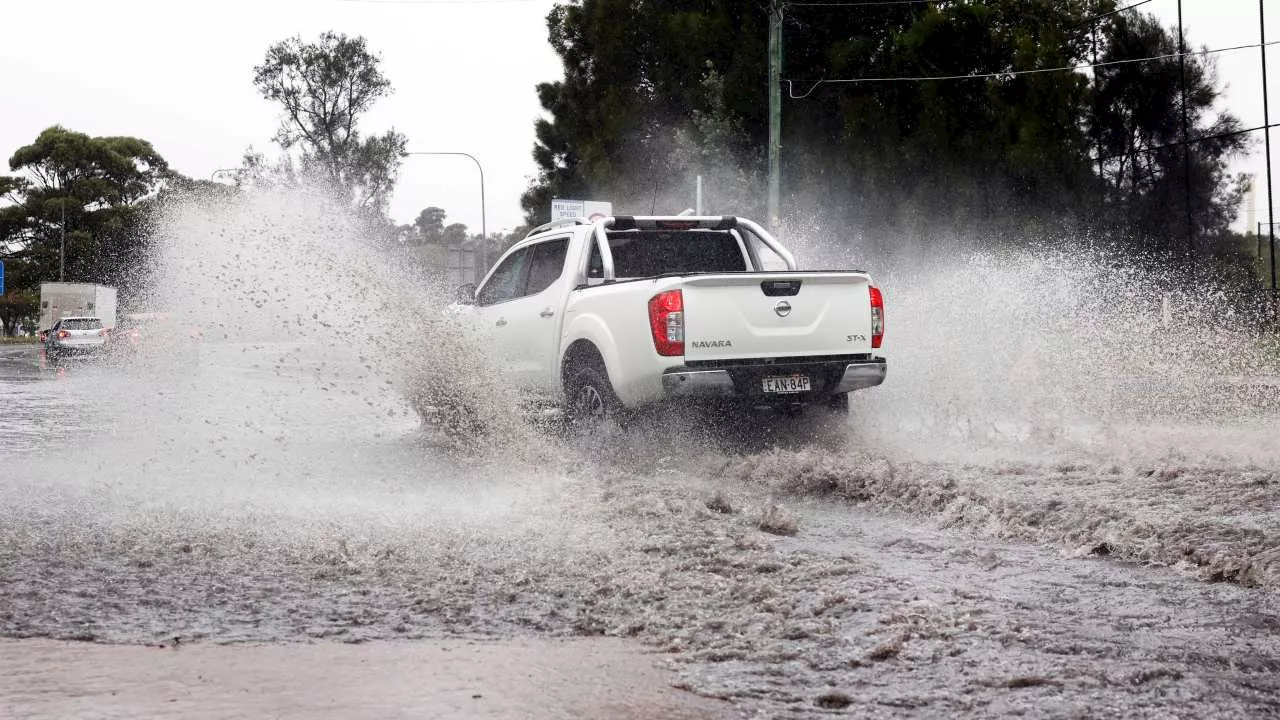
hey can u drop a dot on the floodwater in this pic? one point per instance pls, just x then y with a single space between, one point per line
569 678
269 521
266 516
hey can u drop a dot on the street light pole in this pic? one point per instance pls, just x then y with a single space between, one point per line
484 230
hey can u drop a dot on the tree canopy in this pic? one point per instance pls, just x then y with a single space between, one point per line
94 189
323 89
658 91
1137 121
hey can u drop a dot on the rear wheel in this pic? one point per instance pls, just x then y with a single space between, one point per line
591 397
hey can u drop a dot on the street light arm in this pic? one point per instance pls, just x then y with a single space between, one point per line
484 229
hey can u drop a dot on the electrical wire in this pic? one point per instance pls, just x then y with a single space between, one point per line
1188 141
1008 73
1109 13
872 3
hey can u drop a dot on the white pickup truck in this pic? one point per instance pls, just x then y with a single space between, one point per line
601 317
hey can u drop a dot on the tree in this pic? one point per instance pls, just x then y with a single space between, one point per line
1137 123
323 89
624 117
647 86
454 234
15 308
653 92
94 189
430 225
987 151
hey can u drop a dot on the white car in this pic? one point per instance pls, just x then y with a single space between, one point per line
75 335
628 311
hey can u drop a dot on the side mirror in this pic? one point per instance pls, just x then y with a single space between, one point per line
466 294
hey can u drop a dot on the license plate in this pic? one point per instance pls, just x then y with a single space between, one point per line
787 384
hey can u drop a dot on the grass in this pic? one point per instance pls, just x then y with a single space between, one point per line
5 340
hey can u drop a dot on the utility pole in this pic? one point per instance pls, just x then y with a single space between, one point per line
775 110
1098 138
1266 122
1186 149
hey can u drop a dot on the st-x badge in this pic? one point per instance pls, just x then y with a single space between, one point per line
782 308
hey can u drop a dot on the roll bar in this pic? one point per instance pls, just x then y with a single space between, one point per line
683 222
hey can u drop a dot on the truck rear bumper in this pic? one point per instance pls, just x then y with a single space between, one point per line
744 380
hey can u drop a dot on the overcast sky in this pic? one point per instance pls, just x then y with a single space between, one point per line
179 73
1228 23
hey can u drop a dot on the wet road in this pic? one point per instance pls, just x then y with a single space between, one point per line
284 493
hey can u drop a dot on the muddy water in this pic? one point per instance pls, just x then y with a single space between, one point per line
262 497
575 678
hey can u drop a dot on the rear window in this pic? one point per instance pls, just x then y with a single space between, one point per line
648 253
82 324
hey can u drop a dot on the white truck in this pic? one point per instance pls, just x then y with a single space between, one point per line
64 299
601 317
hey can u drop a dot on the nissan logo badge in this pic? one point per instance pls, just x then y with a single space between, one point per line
782 308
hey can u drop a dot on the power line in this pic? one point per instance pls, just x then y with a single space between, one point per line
1109 13
873 3
1188 141
1007 73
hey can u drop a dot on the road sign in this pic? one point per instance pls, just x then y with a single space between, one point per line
562 209
1 277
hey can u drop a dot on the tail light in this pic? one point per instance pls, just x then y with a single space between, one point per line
63 334
104 332
877 317
666 320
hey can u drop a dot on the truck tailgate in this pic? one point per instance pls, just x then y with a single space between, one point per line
776 314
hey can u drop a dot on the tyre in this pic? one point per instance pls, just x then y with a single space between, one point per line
590 396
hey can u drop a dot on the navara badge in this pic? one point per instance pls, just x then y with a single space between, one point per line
782 308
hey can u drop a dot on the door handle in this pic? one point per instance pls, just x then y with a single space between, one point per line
501 322
547 312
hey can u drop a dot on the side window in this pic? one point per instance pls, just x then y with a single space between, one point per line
508 280
548 264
